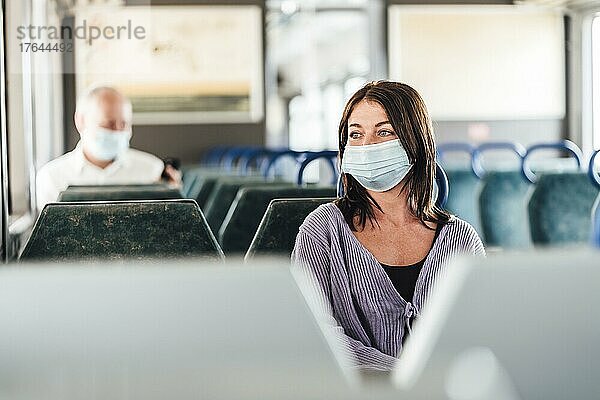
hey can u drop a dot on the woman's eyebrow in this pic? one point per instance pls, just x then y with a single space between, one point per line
376 125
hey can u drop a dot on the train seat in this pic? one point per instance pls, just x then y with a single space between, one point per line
137 230
463 181
503 209
277 231
204 188
462 195
118 192
222 196
190 187
560 208
248 208
204 182
595 179
596 222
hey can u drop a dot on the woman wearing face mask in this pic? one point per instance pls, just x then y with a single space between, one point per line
377 251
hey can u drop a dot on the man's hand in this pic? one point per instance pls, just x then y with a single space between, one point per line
172 176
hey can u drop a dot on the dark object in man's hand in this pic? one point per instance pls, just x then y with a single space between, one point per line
173 162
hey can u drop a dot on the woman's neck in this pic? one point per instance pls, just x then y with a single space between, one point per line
393 203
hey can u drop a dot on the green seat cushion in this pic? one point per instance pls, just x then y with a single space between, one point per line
118 192
276 234
204 180
139 230
248 208
223 194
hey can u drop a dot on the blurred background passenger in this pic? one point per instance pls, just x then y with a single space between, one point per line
377 251
102 156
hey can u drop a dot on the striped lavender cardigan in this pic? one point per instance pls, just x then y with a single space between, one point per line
360 296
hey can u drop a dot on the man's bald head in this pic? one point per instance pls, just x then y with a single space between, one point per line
104 107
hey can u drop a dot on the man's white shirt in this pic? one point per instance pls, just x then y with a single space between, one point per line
72 168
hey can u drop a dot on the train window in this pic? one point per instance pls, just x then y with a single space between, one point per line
317 51
3 215
19 103
596 80
499 64
175 69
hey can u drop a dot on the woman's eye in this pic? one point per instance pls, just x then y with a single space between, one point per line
354 135
385 133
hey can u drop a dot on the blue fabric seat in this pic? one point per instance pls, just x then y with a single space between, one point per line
463 195
463 182
595 179
596 222
503 209
503 195
121 230
560 208
278 229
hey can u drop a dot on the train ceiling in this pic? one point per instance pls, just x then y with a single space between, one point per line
67 6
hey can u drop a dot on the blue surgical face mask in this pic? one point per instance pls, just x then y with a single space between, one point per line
106 144
378 167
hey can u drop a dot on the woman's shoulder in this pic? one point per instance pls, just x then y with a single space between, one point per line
460 226
463 235
325 215
321 224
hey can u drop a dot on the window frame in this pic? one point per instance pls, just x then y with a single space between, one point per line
3 141
594 66
588 141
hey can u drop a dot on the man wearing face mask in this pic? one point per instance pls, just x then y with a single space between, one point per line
102 156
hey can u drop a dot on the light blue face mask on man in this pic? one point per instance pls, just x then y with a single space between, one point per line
105 144
378 167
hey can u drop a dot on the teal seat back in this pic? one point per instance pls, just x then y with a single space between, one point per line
204 189
119 192
595 178
138 230
278 229
560 208
204 180
248 208
463 192
222 196
190 187
596 222
503 209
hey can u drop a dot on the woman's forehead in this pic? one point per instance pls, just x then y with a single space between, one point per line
367 112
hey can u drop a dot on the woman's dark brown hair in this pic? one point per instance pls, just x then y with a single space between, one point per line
408 115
